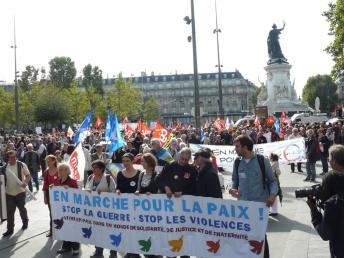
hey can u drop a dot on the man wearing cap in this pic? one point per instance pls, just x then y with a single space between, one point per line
207 181
99 154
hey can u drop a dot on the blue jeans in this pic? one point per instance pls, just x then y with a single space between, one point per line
34 177
99 250
310 168
324 162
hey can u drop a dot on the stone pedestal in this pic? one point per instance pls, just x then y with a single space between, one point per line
278 93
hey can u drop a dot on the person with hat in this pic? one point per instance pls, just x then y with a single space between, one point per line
207 181
99 154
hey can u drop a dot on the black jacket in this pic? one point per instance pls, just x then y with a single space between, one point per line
178 178
330 225
311 153
207 182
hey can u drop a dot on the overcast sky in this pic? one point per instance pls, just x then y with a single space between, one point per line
131 36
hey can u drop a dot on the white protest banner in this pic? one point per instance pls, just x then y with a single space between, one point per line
288 151
39 130
198 226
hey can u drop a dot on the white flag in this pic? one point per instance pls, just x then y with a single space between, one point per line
70 132
77 163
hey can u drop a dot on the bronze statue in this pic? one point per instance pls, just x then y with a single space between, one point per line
274 48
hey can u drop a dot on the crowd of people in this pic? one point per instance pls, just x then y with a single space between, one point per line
26 155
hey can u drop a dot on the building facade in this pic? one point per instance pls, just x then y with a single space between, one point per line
175 94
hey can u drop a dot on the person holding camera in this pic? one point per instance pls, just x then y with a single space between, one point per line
330 223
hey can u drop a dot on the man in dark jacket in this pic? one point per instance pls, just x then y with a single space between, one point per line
207 180
179 177
312 155
31 159
330 224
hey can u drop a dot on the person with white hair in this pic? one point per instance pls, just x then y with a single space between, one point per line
66 181
312 155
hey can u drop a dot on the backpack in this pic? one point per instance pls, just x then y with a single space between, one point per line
107 179
261 165
19 170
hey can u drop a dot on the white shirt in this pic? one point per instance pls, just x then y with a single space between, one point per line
41 149
12 187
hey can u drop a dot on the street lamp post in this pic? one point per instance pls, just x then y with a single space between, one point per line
194 51
217 30
16 96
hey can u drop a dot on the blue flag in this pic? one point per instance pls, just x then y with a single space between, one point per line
108 127
115 136
82 131
277 125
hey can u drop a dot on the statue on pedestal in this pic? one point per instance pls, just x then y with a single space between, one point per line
274 48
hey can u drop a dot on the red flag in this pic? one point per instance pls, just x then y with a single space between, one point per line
257 122
127 129
142 128
99 122
219 124
161 133
283 118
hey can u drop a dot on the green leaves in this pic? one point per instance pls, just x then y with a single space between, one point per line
62 71
335 17
123 99
321 86
151 110
145 245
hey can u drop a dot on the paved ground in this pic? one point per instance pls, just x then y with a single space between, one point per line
290 234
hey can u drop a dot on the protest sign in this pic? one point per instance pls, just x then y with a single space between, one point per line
288 151
38 130
198 226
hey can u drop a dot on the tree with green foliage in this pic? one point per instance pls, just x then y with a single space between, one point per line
52 106
321 86
7 114
335 17
79 104
93 77
62 71
123 99
151 110
28 77
27 103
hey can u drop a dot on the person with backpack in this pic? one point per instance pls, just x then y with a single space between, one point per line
15 193
312 155
252 178
330 223
100 182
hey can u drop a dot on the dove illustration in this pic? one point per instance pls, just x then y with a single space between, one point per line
176 245
58 223
87 232
146 245
213 246
116 240
256 246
